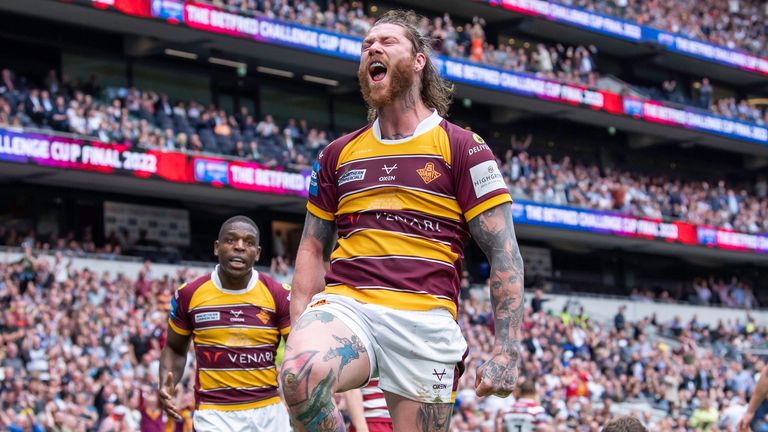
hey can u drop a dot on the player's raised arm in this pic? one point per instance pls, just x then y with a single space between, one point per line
173 359
494 232
314 249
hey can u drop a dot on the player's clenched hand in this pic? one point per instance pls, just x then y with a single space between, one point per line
167 395
498 375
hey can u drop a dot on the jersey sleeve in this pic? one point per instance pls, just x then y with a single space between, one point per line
479 185
322 187
281 293
178 316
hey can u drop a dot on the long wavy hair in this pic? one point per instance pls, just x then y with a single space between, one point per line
436 92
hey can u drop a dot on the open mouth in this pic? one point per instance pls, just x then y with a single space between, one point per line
237 262
377 71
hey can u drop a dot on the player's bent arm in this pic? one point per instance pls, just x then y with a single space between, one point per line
354 401
173 358
309 276
494 232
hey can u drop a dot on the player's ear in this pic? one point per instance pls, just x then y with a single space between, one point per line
258 252
419 61
216 248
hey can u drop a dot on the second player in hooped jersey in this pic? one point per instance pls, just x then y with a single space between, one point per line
236 337
236 318
401 209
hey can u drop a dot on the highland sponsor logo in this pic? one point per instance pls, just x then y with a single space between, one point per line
350 176
486 178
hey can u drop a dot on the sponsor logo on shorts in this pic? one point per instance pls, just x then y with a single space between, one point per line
207 316
486 178
439 376
353 175
318 303
428 173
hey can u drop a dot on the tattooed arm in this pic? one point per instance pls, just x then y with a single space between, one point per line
494 232
314 249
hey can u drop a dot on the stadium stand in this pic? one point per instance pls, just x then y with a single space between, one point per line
147 119
110 323
729 23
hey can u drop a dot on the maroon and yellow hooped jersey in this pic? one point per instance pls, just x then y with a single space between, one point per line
401 208
236 334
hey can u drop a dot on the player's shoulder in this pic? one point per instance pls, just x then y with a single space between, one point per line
461 136
334 149
275 288
188 289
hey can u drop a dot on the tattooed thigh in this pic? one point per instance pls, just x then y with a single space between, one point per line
433 417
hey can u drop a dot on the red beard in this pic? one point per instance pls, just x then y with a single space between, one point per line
401 77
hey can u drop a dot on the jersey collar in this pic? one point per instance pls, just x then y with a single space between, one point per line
425 126
217 282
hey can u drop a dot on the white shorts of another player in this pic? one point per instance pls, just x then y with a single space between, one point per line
270 418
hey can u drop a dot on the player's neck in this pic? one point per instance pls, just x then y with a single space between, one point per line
400 119
234 283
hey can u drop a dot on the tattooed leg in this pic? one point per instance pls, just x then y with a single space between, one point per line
434 417
409 415
349 350
309 379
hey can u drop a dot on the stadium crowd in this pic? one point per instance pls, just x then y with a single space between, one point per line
541 178
713 290
697 377
80 352
718 22
735 24
146 119
152 120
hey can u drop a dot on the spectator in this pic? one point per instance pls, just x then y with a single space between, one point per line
705 94
537 301
619 321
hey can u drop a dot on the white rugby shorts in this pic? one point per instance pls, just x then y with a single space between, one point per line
270 418
415 354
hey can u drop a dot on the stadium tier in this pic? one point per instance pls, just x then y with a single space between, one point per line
632 137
